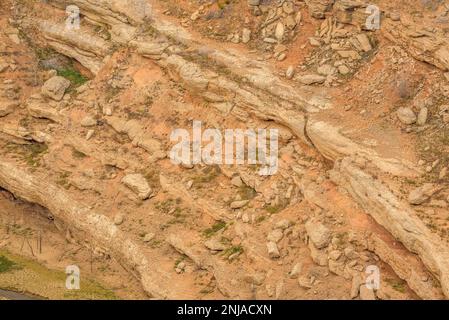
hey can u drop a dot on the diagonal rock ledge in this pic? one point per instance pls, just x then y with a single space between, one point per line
247 97
97 227
399 219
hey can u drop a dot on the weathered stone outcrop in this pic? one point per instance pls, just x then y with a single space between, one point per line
395 216
122 17
419 42
84 47
422 43
219 267
96 227
333 145
406 265
244 87
40 109
177 189
107 158
139 137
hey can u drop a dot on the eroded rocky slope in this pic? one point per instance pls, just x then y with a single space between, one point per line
86 117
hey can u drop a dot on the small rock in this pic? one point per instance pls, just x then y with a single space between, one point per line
234 256
350 253
422 194
335 254
281 57
367 294
246 35
187 165
305 282
318 256
148 237
118 219
14 38
275 236
343 69
311 79
273 251
88 121
195 16
89 134
446 75
290 22
279 289
283 224
364 41
239 204
298 17
288 7
269 40
253 2
314 42
318 233
326 70
406 115
296 270
349 54
107 110
443 173
422 116
237 181
137 183
235 38
181 265
395 16
355 286
290 72
279 32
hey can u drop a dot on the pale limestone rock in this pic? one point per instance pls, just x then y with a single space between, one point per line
55 88
138 184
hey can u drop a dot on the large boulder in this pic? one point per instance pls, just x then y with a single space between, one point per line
55 88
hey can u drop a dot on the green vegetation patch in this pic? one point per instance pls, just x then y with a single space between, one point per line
7 265
214 229
36 279
75 77
398 285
